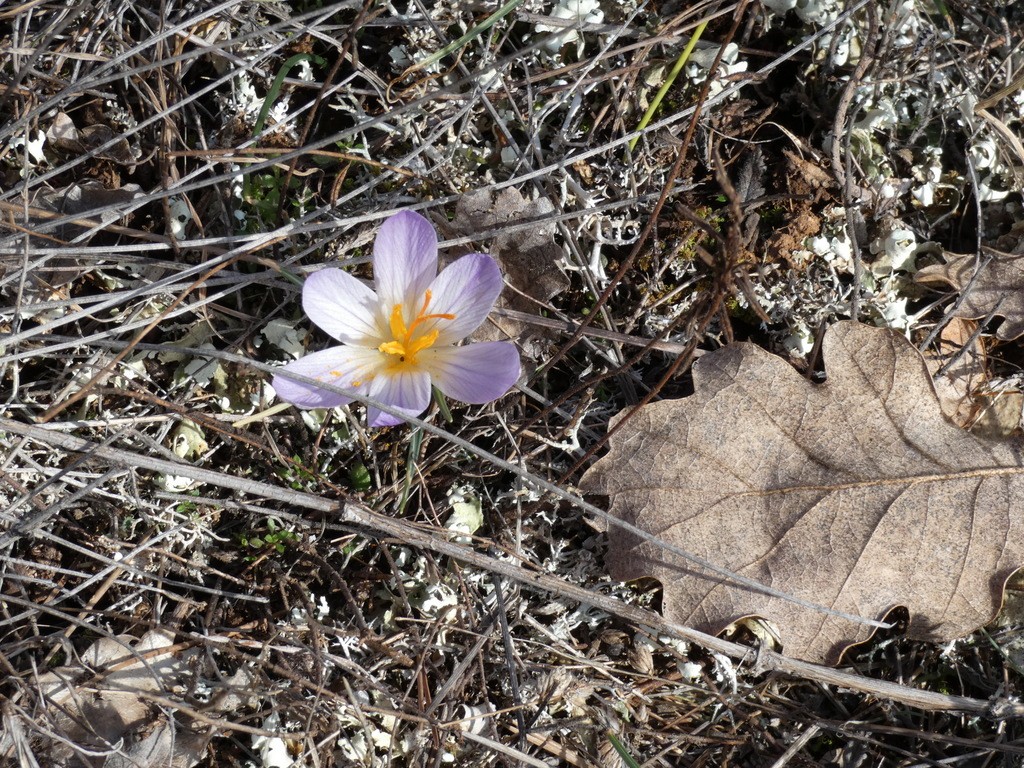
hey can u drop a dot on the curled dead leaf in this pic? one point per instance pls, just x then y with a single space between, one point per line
528 257
998 288
106 698
856 494
90 206
959 369
67 137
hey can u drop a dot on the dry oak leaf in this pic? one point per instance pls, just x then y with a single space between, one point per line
856 494
999 288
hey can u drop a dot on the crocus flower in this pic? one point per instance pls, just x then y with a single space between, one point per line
401 339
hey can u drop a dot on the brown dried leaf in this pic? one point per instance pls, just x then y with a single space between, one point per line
168 746
806 178
528 256
856 494
999 287
963 371
964 388
65 136
999 413
106 698
63 133
89 201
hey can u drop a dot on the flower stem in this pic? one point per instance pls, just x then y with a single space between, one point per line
442 405
415 441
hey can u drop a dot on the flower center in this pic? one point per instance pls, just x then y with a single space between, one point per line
407 344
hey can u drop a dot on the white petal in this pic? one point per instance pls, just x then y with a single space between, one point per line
475 373
466 288
349 368
343 307
404 260
408 392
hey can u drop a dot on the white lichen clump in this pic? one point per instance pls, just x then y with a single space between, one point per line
702 58
809 11
579 12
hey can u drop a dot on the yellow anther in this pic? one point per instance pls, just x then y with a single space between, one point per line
405 344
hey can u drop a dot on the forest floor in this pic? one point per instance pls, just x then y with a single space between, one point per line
194 569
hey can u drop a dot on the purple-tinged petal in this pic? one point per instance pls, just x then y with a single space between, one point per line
474 373
350 368
404 261
406 391
466 288
343 306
